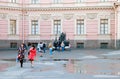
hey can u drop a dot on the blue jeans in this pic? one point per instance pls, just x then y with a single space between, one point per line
50 51
62 49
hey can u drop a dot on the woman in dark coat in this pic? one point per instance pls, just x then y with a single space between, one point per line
21 54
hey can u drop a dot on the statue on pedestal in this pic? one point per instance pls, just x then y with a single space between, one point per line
62 38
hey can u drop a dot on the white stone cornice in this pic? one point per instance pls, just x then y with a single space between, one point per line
56 8
68 8
10 8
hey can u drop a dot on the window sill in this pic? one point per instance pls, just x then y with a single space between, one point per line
80 35
13 35
104 34
34 35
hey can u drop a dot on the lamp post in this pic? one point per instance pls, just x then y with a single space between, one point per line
116 21
23 37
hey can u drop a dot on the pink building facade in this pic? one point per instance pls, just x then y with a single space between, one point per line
87 23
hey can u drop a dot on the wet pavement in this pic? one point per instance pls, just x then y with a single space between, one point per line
75 64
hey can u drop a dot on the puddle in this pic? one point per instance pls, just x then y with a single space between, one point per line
94 67
43 69
4 66
106 76
12 59
99 67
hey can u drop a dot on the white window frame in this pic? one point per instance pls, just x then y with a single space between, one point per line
107 28
80 1
30 31
13 1
34 1
104 0
53 30
84 27
57 1
9 27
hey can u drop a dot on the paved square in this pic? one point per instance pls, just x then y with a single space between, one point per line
74 64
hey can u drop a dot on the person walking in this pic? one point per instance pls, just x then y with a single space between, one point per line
40 48
32 54
21 54
62 46
50 49
59 45
44 47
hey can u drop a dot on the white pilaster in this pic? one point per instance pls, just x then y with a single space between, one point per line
118 23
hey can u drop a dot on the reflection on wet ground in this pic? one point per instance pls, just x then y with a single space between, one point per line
4 66
75 64
94 66
12 59
102 66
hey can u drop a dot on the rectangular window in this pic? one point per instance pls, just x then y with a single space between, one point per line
13 1
57 26
103 0
80 26
13 45
34 1
104 45
80 45
57 1
104 26
34 43
80 1
34 28
13 27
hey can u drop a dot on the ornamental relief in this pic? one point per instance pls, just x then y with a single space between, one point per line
81 16
92 15
104 16
68 16
26 17
45 16
34 17
56 16
12 16
107 16
3 15
20 16
112 16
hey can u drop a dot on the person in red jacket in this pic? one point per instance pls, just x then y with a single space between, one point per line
32 54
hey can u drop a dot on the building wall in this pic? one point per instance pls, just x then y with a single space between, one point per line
68 12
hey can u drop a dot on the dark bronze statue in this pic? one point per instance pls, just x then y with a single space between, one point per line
62 38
